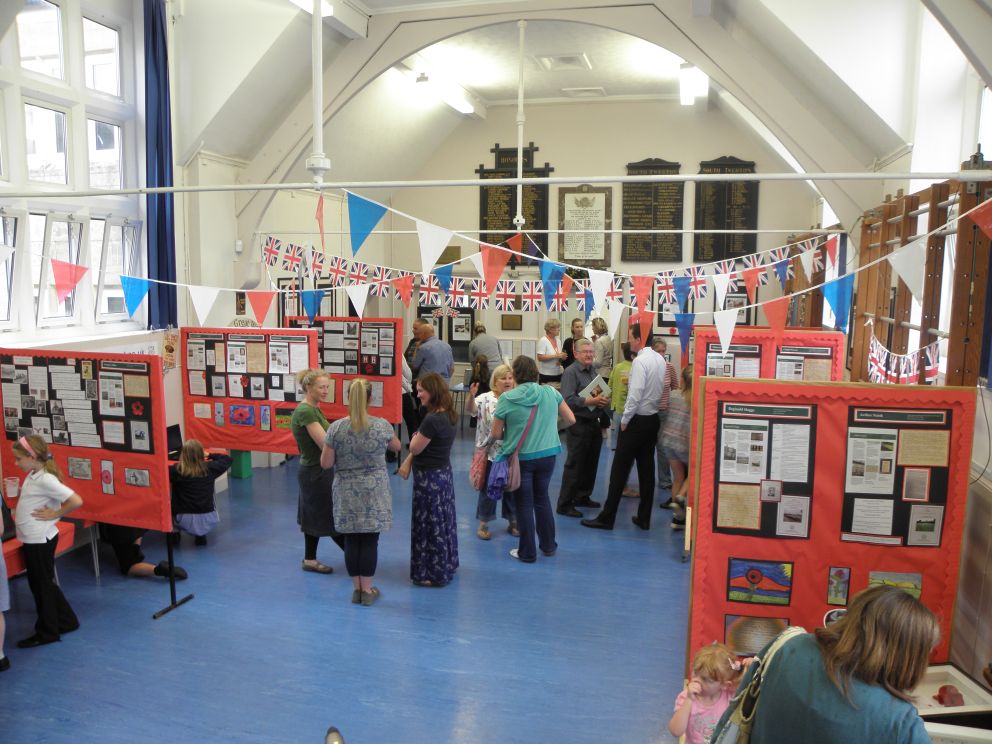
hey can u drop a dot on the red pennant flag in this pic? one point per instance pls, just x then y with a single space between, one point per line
831 249
67 276
751 280
566 285
642 289
645 319
404 286
494 260
983 218
260 301
320 223
515 243
777 312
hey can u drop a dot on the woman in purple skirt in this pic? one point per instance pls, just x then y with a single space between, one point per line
433 540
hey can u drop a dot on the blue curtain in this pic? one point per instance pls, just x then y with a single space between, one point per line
158 171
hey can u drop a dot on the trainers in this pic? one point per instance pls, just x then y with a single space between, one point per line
666 504
678 524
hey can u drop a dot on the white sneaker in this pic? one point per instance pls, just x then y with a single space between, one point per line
515 553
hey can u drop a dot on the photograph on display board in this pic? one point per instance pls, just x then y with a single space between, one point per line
810 363
759 582
771 491
746 635
916 484
838 585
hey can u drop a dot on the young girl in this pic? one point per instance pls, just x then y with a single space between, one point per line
675 441
192 480
715 673
44 499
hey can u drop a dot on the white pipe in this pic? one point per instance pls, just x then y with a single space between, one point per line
316 63
972 175
658 231
518 220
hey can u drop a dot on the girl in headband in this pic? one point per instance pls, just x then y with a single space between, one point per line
44 498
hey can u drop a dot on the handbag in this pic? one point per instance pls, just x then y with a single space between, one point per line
477 470
505 474
744 705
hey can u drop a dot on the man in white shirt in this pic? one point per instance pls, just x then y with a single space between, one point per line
638 434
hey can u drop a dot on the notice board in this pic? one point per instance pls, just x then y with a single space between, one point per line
239 385
811 492
104 417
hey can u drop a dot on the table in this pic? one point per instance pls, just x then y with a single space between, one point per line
458 393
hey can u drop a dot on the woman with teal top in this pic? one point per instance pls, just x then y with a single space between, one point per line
315 512
541 446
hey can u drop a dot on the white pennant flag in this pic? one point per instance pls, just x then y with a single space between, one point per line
910 263
5 252
203 301
600 283
433 241
720 284
476 259
806 259
615 311
358 294
726 321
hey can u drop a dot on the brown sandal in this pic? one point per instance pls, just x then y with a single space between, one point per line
317 567
483 532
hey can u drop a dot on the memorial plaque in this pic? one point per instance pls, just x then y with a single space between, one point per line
731 205
498 204
652 206
587 210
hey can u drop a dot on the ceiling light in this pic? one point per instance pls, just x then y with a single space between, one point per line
307 5
450 93
693 84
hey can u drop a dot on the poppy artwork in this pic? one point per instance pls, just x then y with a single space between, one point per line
759 582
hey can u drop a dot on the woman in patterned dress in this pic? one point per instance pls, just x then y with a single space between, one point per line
433 540
355 447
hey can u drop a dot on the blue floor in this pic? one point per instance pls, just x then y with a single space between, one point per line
586 646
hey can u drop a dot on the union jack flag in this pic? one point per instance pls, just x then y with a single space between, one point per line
665 288
397 275
531 296
755 261
559 301
381 276
337 269
728 266
478 295
506 291
271 251
913 363
430 290
292 255
457 296
818 264
581 285
782 254
316 263
932 365
697 282
873 366
615 292
358 272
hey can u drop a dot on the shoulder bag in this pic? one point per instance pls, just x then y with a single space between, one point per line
744 705
505 474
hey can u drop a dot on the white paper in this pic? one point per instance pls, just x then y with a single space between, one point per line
925 525
376 400
747 367
113 432
718 365
788 367
234 387
195 355
278 357
299 357
140 438
237 356
85 440
66 381
598 386
111 386
744 450
792 516
12 396
38 382
872 516
218 388
201 410
790 453
866 450
197 383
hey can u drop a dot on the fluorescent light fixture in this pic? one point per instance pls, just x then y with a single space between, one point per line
450 93
693 84
307 5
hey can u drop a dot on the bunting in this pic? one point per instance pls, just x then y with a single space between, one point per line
337 270
831 249
311 302
66 276
260 301
838 295
599 284
551 277
615 292
443 274
363 216
505 295
430 290
478 295
494 260
725 321
433 241
457 293
135 288
720 284
271 251
982 217
681 291
380 281
641 286
531 296
885 366
403 285
359 295
292 257
728 268
316 263
756 261
665 287
320 221
358 272
684 322
697 282
203 301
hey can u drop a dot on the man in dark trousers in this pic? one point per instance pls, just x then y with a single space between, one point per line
584 438
638 434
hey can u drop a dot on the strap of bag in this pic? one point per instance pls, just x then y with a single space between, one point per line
749 697
523 436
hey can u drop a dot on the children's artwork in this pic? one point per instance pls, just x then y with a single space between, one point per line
911 583
759 582
747 635
80 468
838 585
243 415
107 476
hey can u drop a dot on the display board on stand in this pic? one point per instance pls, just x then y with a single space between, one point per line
239 385
359 347
811 492
104 417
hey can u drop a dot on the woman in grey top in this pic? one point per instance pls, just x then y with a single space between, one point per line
483 343
355 447
602 346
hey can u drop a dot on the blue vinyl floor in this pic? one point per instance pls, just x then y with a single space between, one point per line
586 646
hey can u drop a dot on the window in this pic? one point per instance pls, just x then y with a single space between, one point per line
105 154
39 36
55 238
8 241
113 251
101 57
46 139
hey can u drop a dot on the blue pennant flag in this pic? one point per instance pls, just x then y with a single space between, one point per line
681 284
684 321
590 301
443 274
782 271
311 302
838 295
551 274
135 289
363 216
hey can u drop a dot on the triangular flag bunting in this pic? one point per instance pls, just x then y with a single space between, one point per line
806 259
494 260
681 284
838 295
684 321
443 274
777 313
644 319
358 294
751 280
909 262
433 241
363 216
589 302
551 274
320 220
311 302
565 288
67 276
782 271
515 243
725 321
135 288
614 311
983 218
831 248
599 284
641 286
261 301
476 259
203 301
720 284
404 288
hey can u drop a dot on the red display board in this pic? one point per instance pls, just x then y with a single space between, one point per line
239 385
360 347
104 416
809 492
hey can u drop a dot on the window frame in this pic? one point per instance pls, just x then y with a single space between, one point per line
125 224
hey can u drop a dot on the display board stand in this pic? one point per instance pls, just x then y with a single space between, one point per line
811 492
173 604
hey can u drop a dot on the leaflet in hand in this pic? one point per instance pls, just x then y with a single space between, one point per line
598 386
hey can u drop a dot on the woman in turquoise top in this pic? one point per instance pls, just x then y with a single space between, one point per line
537 455
850 681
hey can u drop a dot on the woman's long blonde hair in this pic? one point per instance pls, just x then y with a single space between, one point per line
191 459
358 403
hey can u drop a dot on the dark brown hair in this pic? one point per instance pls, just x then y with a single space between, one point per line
524 370
437 389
